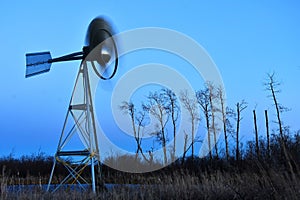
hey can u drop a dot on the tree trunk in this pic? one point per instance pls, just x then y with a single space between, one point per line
213 125
268 135
174 132
134 132
208 134
237 152
256 135
193 138
277 112
184 148
164 142
224 120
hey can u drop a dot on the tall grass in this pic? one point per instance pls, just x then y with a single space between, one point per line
265 183
251 177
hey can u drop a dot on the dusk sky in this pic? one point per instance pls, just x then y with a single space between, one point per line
246 40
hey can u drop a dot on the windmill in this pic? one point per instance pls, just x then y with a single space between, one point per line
99 58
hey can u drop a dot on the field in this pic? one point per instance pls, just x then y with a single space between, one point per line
197 179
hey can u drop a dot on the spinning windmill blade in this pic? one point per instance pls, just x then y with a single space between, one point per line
101 51
99 39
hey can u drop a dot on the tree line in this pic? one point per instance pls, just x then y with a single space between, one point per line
208 105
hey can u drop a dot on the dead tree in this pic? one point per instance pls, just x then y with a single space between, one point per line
226 114
213 110
256 135
137 124
203 101
159 110
172 104
190 104
240 106
272 85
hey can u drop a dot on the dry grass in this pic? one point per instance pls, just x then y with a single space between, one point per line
264 184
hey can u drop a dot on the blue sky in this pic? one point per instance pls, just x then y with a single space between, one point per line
246 40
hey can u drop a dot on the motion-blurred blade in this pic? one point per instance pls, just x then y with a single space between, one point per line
37 63
105 55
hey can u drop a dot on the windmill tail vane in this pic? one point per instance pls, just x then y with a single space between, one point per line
37 63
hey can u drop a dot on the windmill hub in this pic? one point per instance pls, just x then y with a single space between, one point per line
105 55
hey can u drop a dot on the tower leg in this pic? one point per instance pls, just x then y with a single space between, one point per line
51 175
93 175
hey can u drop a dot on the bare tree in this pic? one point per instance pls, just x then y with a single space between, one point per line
137 124
213 97
203 101
190 104
158 108
226 113
272 85
230 114
173 107
240 106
